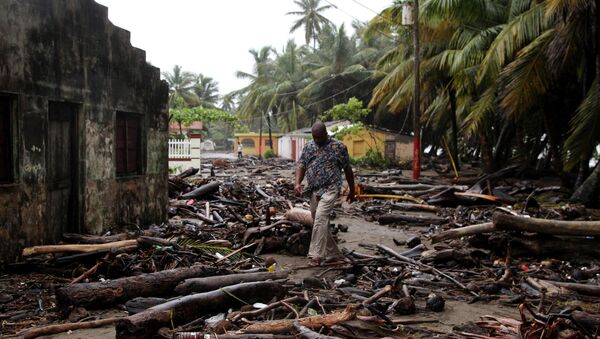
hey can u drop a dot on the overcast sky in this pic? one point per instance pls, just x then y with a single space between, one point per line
213 36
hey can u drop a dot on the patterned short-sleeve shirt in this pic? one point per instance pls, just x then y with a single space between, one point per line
324 165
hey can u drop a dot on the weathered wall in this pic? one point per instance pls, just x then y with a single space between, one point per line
68 51
369 139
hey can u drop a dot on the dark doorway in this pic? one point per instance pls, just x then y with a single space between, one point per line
6 163
62 160
390 150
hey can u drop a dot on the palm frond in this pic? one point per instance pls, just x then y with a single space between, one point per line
527 78
209 249
482 111
585 129
514 36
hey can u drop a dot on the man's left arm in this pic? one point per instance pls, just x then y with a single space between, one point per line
350 179
345 164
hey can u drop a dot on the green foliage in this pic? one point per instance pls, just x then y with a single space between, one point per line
352 110
187 115
173 170
242 129
269 154
191 89
487 68
373 158
356 129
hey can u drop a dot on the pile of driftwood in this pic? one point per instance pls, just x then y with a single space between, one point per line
490 239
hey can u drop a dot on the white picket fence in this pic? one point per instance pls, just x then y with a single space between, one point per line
180 149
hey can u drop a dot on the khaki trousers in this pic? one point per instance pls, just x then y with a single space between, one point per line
322 244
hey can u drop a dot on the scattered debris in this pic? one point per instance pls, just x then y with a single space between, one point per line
203 273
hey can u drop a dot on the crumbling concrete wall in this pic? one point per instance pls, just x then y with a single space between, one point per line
68 51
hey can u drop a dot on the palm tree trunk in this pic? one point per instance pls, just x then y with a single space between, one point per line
416 97
454 128
487 154
588 191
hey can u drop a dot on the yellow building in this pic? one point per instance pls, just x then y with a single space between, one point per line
392 146
252 145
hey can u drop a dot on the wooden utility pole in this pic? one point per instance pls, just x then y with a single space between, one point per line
260 141
269 124
416 97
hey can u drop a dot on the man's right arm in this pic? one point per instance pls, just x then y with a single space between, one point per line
300 171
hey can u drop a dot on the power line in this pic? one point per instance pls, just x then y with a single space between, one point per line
313 103
369 9
355 18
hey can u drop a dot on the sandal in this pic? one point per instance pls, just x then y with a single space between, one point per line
335 261
314 263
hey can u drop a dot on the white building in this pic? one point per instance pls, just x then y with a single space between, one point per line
292 143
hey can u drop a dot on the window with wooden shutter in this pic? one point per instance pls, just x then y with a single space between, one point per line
6 163
128 134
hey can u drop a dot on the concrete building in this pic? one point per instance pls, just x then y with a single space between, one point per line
83 125
391 145
292 143
253 144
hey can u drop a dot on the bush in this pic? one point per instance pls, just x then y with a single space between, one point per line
175 170
373 158
269 154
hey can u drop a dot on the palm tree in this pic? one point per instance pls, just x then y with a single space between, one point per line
311 18
206 91
339 71
181 84
289 78
229 103
504 70
254 98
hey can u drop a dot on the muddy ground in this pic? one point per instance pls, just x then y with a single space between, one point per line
360 232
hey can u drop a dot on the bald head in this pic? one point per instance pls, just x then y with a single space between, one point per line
319 133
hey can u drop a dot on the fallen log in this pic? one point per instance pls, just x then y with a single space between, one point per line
406 187
184 309
187 173
60 328
414 207
203 335
463 232
196 285
140 304
545 226
314 322
587 289
108 293
404 218
307 333
591 322
543 245
300 216
95 239
94 255
203 190
76 248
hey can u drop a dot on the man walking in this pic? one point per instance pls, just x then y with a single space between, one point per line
322 161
